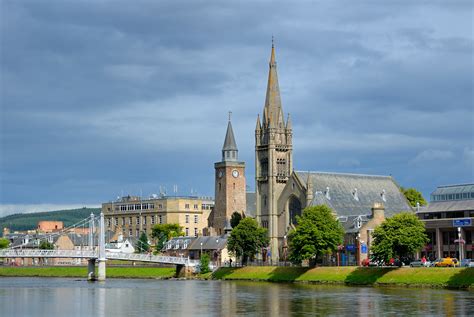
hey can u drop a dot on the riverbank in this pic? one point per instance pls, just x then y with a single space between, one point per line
457 278
81 272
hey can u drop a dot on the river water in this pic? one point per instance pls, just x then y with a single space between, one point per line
121 297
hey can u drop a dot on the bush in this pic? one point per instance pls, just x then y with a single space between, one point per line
205 263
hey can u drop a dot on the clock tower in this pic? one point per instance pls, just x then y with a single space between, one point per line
230 183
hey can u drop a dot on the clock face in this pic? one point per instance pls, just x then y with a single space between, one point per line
235 173
220 174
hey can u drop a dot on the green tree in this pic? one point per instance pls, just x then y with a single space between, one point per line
317 233
164 232
398 236
204 263
235 219
413 196
46 245
246 239
4 243
142 244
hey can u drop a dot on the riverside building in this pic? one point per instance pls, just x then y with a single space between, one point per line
132 214
449 222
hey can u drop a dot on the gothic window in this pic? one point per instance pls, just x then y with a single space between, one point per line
294 207
265 200
264 165
281 167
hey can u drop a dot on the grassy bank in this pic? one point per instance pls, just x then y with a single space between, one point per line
81 272
421 277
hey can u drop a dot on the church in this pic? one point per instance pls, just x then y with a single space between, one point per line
360 202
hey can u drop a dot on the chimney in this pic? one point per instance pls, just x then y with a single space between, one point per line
378 211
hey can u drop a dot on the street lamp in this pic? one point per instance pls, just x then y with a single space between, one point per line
201 250
358 249
460 244
285 248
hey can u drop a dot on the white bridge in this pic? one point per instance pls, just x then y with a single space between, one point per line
97 254
89 254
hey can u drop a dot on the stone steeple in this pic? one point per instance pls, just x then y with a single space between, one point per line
273 113
229 150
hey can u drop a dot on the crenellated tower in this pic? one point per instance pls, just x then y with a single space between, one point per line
273 156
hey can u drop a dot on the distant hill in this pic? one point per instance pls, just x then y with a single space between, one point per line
30 221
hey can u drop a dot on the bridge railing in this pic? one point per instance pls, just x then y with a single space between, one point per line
39 253
151 258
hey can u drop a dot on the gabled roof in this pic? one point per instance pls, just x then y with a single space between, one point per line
355 194
451 205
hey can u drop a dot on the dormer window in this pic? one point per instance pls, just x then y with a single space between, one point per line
326 193
355 194
358 222
382 195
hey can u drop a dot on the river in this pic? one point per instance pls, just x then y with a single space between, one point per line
125 297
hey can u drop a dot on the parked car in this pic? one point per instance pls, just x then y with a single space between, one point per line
420 263
467 263
447 262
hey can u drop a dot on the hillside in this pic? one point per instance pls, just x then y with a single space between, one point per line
30 221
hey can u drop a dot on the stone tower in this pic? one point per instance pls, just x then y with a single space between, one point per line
273 157
230 183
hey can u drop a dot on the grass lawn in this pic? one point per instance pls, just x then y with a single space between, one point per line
81 271
434 277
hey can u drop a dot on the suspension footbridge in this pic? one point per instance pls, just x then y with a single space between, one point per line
95 252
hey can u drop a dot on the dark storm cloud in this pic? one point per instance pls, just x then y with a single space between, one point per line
104 97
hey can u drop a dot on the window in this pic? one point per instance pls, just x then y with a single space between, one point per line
130 233
144 206
196 218
108 222
195 232
160 219
151 206
123 221
130 221
116 221
138 206
187 232
152 220
123 207
196 206
160 206
187 218
138 220
144 220
130 207
186 206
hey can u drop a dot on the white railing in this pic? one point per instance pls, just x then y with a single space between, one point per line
37 253
90 254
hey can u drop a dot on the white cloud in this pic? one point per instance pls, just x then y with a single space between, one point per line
432 155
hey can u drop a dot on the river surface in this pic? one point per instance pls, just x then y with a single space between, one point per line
122 297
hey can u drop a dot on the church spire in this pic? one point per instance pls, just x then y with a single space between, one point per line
272 113
229 150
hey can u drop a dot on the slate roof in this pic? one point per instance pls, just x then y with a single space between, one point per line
229 142
208 243
451 205
342 193
350 222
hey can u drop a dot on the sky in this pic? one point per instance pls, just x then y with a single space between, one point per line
107 98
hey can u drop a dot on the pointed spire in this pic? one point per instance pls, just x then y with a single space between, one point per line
273 113
288 123
229 150
259 125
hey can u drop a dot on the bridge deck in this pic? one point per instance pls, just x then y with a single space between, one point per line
93 254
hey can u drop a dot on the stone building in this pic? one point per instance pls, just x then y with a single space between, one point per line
132 215
282 193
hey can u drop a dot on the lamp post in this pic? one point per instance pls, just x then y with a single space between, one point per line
358 249
285 248
200 255
460 244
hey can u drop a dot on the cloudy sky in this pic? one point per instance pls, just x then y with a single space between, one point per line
104 98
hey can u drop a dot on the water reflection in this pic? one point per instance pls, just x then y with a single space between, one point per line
68 297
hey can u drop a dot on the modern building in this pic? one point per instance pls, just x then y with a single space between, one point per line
282 193
449 222
132 215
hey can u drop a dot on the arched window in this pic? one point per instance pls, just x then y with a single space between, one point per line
294 207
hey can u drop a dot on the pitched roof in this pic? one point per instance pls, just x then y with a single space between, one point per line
229 142
454 189
355 194
452 205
